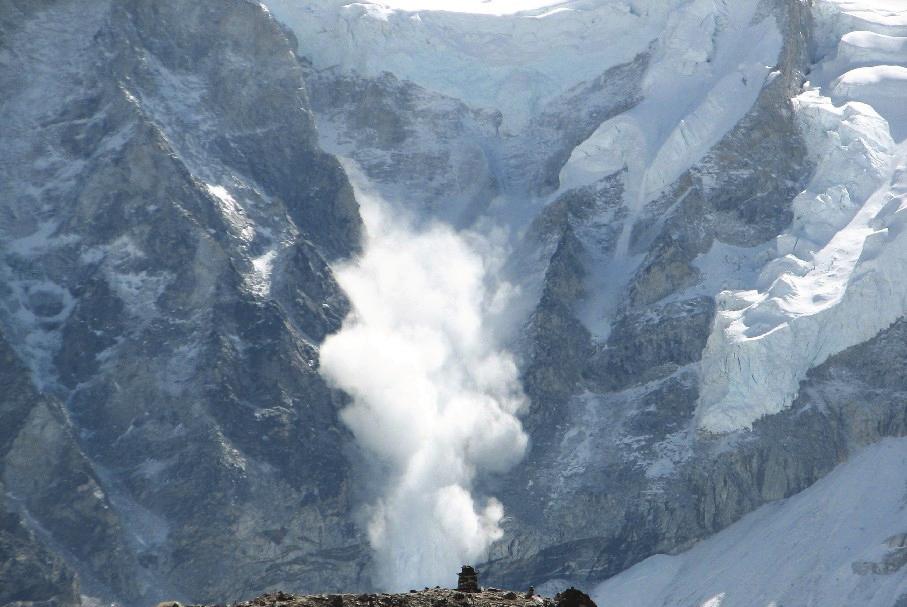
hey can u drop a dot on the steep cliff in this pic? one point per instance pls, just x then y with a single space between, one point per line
167 219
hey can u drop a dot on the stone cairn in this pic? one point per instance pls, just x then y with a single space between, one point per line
571 597
468 579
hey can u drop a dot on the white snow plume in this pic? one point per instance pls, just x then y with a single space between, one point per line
434 399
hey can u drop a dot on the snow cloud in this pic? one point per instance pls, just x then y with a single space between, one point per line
434 399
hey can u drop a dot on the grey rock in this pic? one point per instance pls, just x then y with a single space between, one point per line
420 148
644 346
199 454
30 572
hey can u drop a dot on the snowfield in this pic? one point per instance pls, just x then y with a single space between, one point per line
510 62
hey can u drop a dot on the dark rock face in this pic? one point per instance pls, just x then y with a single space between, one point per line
255 96
424 147
30 574
571 597
560 346
652 344
167 218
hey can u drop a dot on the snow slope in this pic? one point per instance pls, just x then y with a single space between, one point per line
836 280
884 87
824 547
707 71
481 7
514 63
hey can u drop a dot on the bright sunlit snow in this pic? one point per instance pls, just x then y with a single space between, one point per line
484 7
514 63
836 280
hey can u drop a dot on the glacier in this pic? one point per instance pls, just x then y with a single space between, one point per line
836 279
516 62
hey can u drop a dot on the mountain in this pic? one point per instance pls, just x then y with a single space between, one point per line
165 286
325 296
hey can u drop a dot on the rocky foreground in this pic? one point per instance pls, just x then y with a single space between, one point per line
428 597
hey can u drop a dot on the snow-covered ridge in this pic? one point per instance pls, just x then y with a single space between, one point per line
481 7
836 279
710 65
512 62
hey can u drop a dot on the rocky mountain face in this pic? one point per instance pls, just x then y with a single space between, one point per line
30 570
167 220
804 550
172 204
